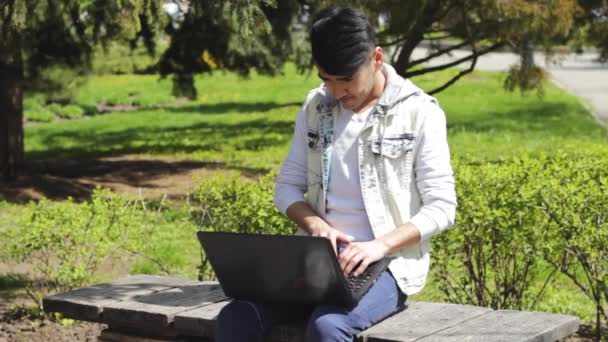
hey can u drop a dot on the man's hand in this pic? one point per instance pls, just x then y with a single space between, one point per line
302 214
362 254
333 235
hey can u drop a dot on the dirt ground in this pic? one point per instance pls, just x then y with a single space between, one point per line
129 174
151 178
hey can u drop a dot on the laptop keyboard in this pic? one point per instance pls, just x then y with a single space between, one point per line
363 282
356 283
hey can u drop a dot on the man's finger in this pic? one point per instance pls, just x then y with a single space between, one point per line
352 263
344 238
362 267
345 256
334 245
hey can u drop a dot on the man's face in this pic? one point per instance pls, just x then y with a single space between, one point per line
354 91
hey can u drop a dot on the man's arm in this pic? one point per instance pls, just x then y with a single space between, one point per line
292 184
305 217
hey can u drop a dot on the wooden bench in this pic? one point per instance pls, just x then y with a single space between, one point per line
145 308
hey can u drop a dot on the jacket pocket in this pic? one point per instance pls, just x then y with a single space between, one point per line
393 159
393 146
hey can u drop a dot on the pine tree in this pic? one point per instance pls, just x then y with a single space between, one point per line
38 35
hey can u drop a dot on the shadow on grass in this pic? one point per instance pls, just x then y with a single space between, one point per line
249 136
90 158
555 119
11 284
192 108
58 179
229 107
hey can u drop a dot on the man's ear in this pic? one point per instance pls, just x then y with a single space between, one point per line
378 57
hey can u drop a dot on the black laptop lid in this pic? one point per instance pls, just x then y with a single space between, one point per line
275 268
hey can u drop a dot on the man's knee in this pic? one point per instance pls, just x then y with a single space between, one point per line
327 327
239 321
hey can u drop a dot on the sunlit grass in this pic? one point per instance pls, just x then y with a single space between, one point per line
248 122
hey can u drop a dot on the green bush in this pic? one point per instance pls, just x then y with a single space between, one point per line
32 102
231 204
67 241
70 112
515 217
39 115
490 257
66 112
574 195
55 108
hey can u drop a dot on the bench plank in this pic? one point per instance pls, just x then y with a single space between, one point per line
421 319
87 303
159 309
509 325
199 321
165 308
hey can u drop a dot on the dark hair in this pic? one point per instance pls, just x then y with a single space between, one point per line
341 40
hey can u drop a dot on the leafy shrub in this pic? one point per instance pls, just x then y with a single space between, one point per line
491 255
117 58
516 213
66 241
231 204
67 112
574 196
70 112
54 107
39 115
32 102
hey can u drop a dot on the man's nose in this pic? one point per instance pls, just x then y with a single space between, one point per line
336 91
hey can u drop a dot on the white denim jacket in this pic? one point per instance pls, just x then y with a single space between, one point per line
404 168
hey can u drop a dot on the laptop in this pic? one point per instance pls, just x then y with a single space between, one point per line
284 269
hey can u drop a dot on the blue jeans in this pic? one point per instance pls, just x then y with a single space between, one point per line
248 321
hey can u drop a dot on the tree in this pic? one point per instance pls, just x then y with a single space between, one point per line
594 26
261 35
38 35
231 36
481 26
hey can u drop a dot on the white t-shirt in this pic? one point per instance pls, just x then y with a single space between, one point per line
345 207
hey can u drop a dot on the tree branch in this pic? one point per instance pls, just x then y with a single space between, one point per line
394 42
438 53
454 63
455 78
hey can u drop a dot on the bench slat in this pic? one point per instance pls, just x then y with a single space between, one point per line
159 309
199 321
421 319
87 303
167 307
508 325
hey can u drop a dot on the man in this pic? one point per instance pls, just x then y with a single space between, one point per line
368 169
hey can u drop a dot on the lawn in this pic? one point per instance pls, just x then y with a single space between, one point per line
246 124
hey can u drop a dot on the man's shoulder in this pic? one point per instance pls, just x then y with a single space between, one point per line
315 95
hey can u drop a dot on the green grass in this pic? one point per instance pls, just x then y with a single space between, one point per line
486 122
247 123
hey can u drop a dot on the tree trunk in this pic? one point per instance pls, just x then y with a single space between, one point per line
527 54
11 107
415 35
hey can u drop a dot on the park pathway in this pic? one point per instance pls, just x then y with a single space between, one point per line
580 74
